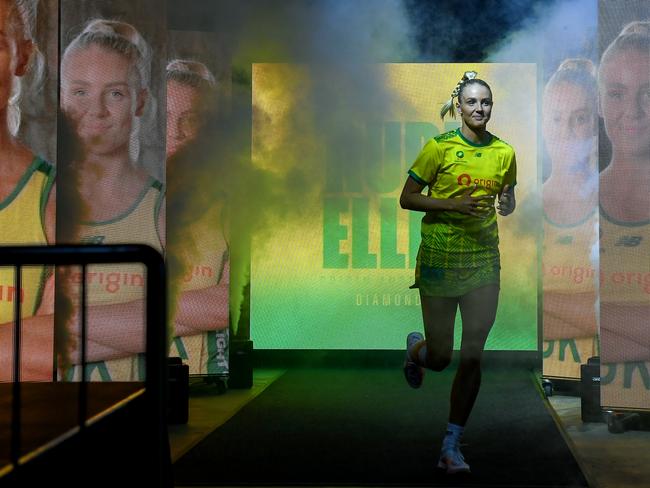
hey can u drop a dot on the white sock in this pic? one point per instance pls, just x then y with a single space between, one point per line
452 438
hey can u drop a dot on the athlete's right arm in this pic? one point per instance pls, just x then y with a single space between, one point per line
37 349
114 331
413 199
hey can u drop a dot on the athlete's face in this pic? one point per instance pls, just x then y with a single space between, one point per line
625 101
475 106
183 115
100 96
568 121
14 53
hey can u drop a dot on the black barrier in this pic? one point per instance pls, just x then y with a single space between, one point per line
155 393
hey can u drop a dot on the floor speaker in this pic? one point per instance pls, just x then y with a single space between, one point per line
240 364
590 410
179 392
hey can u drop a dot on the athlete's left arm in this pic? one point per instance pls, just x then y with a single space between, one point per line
507 201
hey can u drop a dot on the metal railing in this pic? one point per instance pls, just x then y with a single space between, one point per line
155 339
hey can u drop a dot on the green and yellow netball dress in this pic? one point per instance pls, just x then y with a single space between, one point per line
459 252
22 222
114 284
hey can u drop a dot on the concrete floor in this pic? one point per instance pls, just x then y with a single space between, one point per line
607 460
209 409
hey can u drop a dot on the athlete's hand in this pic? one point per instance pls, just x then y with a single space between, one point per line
506 203
475 206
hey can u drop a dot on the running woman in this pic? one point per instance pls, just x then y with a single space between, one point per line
458 265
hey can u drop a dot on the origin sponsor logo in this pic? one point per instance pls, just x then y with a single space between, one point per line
466 180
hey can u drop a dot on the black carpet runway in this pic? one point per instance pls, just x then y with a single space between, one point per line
366 427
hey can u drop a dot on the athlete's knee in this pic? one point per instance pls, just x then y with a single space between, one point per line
471 358
438 362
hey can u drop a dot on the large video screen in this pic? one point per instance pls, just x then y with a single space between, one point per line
333 269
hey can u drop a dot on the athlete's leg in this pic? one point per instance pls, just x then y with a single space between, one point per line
438 314
478 311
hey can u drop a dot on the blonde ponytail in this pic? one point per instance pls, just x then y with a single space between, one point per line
448 107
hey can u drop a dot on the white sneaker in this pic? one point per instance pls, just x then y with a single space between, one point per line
452 461
413 372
